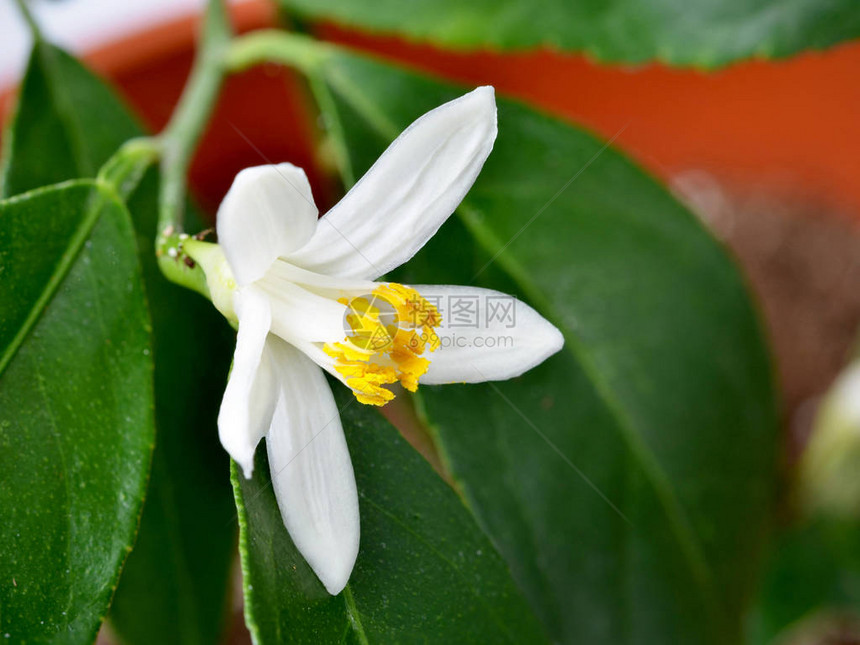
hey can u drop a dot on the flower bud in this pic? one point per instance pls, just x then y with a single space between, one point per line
830 466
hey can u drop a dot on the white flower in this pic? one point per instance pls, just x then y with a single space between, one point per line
291 282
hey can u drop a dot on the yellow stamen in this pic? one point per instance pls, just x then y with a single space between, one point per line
390 331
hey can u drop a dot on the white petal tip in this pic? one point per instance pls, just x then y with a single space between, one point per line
336 570
548 341
245 461
485 99
331 556
555 340
335 585
239 449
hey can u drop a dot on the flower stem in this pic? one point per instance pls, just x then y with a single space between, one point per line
124 170
192 113
272 46
304 54
28 18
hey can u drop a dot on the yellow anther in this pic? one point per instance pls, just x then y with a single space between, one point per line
388 333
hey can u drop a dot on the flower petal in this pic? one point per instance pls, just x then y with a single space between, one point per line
268 212
407 194
311 470
301 315
486 335
251 393
309 306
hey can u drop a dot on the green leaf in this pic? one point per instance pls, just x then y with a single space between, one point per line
627 481
424 568
813 567
176 582
76 426
703 33
67 124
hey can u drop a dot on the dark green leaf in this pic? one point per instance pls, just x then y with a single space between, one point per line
176 582
76 426
627 481
424 571
686 32
814 567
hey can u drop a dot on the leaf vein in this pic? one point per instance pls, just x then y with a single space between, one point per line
67 260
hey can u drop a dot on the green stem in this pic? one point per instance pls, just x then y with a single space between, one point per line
218 55
124 170
272 46
28 18
180 137
300 52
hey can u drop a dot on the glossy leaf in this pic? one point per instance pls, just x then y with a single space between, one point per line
76 426
176 582
628 480
424 569
684 32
